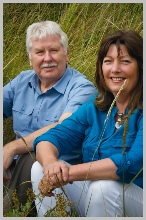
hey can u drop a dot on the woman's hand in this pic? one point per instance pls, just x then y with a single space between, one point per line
55 175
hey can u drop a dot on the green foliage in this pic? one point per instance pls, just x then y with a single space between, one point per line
85 24
8 134
60 210
19 210
63 208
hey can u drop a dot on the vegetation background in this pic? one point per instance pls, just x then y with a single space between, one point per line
84 23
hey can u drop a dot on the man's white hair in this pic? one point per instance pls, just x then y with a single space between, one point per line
43 29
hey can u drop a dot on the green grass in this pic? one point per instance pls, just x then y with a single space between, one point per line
85 24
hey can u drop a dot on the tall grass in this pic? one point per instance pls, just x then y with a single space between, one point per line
85 24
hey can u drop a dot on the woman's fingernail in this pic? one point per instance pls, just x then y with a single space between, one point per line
64 178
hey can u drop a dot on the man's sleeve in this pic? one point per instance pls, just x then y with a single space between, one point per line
8 97
79 95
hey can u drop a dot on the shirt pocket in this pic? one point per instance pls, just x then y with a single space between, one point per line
22 115
90 147
118 146
53 116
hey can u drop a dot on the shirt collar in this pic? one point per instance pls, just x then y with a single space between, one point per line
60 86
34 81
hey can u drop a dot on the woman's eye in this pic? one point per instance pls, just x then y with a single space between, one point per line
125 61
107 61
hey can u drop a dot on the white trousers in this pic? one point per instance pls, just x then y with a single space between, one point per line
101 198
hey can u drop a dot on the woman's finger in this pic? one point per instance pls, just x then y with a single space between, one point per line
65 171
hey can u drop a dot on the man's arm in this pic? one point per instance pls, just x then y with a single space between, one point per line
19 147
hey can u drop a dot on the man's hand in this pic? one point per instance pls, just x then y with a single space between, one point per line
5 176
8 156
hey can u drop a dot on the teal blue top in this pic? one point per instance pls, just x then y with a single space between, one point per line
86 128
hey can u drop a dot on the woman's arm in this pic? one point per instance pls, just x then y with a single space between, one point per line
46 153
101 169
57 173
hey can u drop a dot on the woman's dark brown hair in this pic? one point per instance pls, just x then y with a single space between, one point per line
134 44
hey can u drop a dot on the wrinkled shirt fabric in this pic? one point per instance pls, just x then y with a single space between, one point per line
31 109
99 140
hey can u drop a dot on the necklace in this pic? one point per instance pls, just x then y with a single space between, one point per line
118 122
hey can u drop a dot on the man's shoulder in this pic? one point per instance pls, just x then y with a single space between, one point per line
25 76
79 77
27 73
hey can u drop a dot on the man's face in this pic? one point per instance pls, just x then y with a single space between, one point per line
48 59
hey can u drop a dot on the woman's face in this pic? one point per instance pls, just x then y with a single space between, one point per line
118 68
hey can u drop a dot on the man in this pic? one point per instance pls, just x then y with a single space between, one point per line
38 99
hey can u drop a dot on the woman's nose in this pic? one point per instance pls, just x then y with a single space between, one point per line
115 67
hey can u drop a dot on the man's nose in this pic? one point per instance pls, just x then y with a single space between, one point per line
47 56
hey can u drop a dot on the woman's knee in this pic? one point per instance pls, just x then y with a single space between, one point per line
99 188
36 172
102 196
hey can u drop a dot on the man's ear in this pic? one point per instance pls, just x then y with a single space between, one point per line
67 57
29 56
30 63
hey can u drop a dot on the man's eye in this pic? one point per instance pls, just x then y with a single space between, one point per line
39 52
54 50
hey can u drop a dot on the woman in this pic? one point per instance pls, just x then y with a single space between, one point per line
110 129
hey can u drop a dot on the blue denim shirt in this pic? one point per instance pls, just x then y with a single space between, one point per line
31 109
86 128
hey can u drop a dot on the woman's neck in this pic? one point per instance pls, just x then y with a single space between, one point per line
121 106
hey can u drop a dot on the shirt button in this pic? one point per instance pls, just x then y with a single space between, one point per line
128 162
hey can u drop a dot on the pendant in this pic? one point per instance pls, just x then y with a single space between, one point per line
117 125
